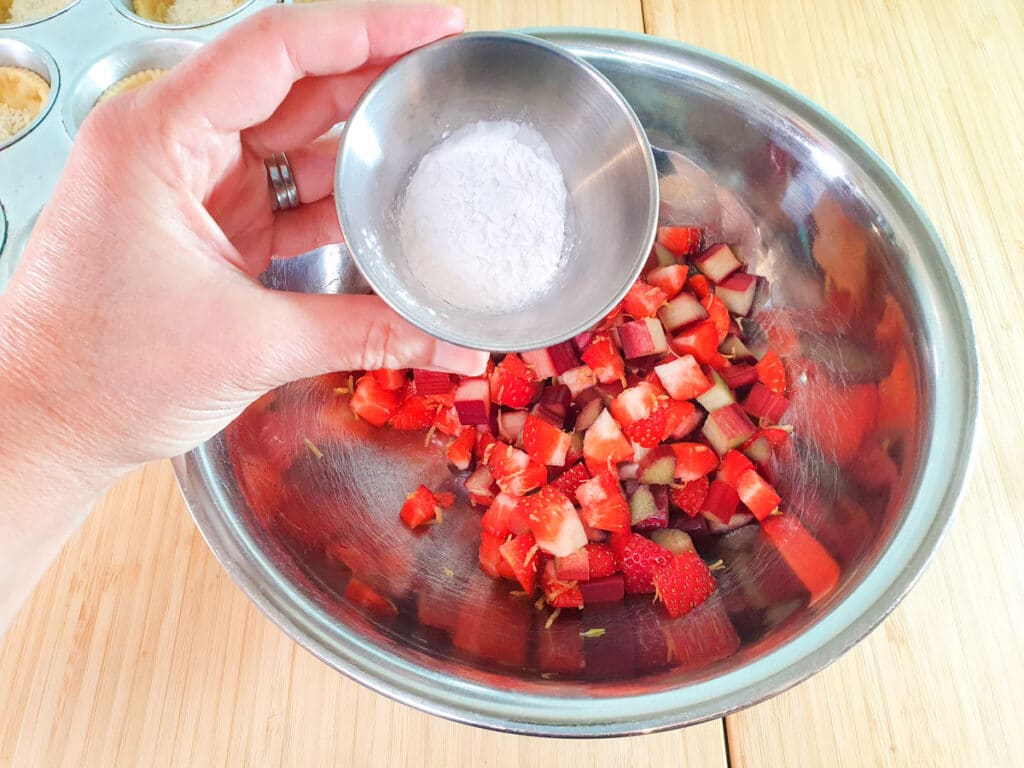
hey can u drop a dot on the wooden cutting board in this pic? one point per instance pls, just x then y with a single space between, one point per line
138 650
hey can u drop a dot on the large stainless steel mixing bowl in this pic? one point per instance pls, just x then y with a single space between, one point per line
868 310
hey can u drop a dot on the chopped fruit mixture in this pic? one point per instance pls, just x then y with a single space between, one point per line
589 461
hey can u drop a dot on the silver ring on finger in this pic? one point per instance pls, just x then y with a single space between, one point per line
283 192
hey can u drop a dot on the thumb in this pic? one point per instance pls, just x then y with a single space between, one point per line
325 333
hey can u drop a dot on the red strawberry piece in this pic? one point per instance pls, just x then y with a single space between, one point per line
558 593
670 279
693 460
756 494
491 561
698 285
732 466
554 521
648 432
544 442
422 506
496 520
683 583
699 339
638 558
460 452
721 502
682 419
643 299
636 403
601 560
610 320
603 358
486 444
682 241
361 594
602 504
520 552
480 486
514 471
682 378
777 436
574 566
513 383
771 372
414 414
690 496
718 313
571 479
372 403
389 378
805 556
604 445
447 421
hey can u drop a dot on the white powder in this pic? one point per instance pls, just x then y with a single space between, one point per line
483 221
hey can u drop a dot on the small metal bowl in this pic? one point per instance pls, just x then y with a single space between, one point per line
30 22
595 137
18 53
113 66
127 9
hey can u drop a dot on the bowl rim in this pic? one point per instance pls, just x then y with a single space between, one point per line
384 289
948 458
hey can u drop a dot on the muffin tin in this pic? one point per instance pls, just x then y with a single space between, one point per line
81 50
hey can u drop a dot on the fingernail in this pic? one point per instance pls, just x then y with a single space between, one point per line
448 357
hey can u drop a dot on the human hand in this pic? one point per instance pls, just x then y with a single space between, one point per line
134 328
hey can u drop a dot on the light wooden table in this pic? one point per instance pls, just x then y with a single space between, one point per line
138 650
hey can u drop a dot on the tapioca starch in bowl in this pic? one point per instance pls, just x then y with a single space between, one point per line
483 219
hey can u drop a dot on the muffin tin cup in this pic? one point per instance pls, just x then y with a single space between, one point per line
40 20
15 52
127 9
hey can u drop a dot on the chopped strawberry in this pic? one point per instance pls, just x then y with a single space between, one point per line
771 372
693 460
486 444
558 593
513 383
648 432
721 502
514 471
691 495
554 521
571 479
698 285
732 466
682 378
682 241
604 445
718 313
698 339
682 419
638 558
480 486
777 436
601 561
669 279
578 379
491 561
756 494
361 594
372 403
460 452
388 378
635 403
496 520
603 358
683 583
447 421
574 566
544 442
643 299
422 506
520 552
414 414
602 504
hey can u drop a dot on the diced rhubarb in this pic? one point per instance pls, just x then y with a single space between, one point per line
606 589
575 452
583 340
727 428
758 449
670 279
693 460
641 338
732 466
738 375
628 470
680 312
648 507
717 262
682 378
682 241
698 339
554 522
588 407
737 292
604 445
473 401
805 556
510 426
735 349
738 520
432 382
757 495
578 379
658 466
544 443
721 502
664 256
765 405
674 540
563 356
602 504
643 299
539 361
480 486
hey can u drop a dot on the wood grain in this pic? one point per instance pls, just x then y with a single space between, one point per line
934 87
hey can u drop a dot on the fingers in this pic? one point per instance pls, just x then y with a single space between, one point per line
240 79
313 167
317 334
302 229
313 105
